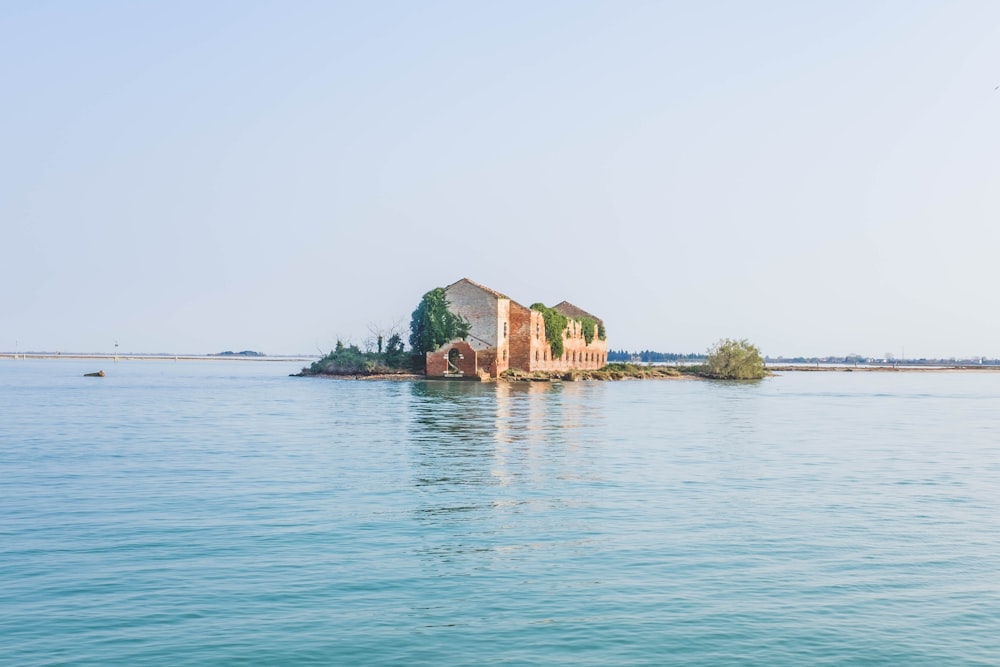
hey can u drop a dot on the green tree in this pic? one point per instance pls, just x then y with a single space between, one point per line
735 360
433 324
395 354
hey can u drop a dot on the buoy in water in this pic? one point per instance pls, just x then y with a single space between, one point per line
98 374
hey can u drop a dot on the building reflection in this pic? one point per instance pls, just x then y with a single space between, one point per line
485 456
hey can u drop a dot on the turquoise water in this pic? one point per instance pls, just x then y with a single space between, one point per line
220 512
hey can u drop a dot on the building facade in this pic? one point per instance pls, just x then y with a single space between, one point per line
504 334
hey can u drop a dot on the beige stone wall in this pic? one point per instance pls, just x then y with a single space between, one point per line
503 335
576 353
483 311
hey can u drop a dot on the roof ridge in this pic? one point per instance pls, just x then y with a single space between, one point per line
480 286
574 311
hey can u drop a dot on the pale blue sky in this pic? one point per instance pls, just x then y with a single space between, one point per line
818 177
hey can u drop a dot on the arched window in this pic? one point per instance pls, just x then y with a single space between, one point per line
536 355
505 354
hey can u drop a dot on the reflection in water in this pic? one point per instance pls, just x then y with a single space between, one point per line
490 459
735 405
452 425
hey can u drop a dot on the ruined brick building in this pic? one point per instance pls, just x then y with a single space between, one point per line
504 334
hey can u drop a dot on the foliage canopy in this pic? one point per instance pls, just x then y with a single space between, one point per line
588 327
735 360
433 324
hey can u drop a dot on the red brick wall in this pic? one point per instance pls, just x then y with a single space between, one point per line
520 341
437 361
487 360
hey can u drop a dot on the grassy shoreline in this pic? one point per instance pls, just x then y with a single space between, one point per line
616 372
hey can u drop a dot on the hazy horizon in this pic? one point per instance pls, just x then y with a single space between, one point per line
364 345
816 178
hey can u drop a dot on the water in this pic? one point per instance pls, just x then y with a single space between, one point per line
220 512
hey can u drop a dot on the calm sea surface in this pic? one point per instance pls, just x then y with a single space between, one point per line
222 513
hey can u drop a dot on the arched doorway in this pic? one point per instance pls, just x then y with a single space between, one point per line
454 361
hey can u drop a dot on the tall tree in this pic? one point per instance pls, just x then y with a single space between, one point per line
433 324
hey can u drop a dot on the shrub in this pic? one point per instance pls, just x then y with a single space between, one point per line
735 360
350 360
343 360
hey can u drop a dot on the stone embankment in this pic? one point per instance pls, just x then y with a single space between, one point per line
614 371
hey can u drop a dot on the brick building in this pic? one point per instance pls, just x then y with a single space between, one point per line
504 334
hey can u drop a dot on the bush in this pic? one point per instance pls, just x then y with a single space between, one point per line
735 360
350 360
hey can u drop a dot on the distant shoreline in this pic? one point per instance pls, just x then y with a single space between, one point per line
149 357
771 368
804 368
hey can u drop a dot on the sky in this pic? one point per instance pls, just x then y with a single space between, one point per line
820 178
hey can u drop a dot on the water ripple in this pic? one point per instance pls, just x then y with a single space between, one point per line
223 513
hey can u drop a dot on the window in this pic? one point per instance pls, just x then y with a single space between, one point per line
536 355
504 329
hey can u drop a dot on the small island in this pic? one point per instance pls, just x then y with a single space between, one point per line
467 331
244 353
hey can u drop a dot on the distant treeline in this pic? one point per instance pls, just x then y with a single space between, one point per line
888 360
651 357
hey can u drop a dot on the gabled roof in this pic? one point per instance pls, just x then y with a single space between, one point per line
482 287
573 312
